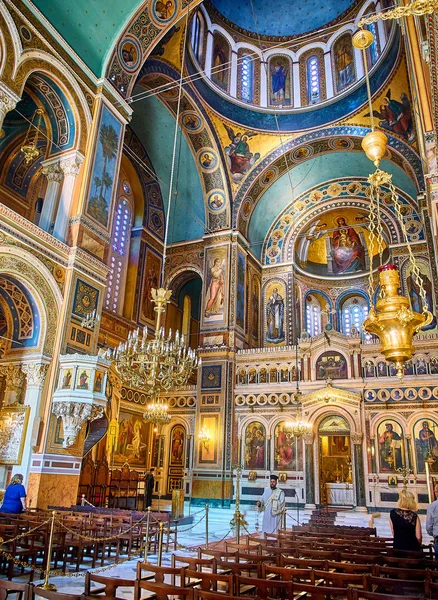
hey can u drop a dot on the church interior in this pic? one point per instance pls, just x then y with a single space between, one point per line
205 269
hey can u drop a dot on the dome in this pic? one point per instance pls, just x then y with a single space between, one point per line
282 18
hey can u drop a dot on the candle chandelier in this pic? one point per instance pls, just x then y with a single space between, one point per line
299 427
163 363
391 317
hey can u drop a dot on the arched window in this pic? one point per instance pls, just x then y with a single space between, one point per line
197 35
313 80
343 58
119 254
353 313
313 316
373 52
187 310
247 78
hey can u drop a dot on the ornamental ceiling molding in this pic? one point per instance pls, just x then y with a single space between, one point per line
144 31
302 148
202 139
331 395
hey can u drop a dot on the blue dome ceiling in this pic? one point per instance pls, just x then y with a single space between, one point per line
282 18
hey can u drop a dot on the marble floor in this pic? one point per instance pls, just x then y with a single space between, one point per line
190 537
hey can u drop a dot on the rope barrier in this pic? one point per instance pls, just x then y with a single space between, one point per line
21 535
102 539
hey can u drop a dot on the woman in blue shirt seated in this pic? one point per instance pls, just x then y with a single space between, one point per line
14 501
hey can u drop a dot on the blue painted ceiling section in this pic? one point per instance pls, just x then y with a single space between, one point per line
20 342
282 18
15 124
308 175
300 119
155 126
56 95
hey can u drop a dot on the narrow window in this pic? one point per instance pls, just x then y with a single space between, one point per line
313 80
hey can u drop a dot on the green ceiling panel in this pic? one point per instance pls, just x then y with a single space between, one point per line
91 27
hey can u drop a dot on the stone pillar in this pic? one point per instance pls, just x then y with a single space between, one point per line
35 373
8 101
408 458
359 474
309 471
14 384
52 171
70 166
330 92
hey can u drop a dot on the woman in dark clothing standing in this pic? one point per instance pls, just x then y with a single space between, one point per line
405 523
14 501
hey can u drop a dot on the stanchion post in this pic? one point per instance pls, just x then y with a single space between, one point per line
146 542
206 525
160 544
46 585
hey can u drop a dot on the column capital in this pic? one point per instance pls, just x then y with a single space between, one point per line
35 372
53 172
308 439
71 163
74 415
13 375
8 100
356 438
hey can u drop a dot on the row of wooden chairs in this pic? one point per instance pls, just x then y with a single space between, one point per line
76 537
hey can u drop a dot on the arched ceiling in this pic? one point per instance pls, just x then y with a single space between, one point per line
307 175
155 127
284 18
90 27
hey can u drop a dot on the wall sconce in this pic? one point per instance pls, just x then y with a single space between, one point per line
204 438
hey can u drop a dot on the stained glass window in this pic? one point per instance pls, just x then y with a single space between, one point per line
354 312
373 50
247 78
119 254
196 35
313 80
313 316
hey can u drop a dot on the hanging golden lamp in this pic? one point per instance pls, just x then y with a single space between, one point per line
391 317
29 148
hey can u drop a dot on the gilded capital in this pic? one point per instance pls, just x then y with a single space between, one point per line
35 373
71 164
7 103
14 377
53 172
356 438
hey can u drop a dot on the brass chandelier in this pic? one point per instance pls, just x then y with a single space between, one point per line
29 147
163 363
158 365
391 317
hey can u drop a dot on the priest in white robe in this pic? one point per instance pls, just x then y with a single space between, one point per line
272 504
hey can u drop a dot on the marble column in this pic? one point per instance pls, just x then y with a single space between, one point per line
309 470
52 171
359 473
70 166
14 377
35 373
8 101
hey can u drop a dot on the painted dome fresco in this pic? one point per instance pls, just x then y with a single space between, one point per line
336 244
282 18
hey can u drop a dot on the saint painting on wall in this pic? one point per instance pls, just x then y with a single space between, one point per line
275 331
215 295
220 68
413 290
396 116
284 453
347 249
390 439
426 445
254 312
279 68
254 450
344 62
331 365
151 280
177 445
130 446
